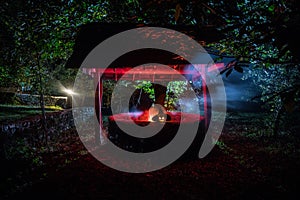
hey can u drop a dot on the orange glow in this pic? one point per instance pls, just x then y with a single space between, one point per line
152 112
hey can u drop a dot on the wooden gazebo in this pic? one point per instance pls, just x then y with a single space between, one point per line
92 34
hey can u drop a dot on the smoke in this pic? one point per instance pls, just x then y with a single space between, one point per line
238 93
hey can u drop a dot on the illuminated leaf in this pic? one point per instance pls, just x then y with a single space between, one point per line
177 12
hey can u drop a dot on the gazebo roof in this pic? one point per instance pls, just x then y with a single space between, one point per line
90 35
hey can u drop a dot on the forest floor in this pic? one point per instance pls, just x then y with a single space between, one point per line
246 163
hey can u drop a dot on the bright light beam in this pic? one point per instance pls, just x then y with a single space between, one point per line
69 92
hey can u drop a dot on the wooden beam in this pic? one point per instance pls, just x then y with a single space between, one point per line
99 137
204 91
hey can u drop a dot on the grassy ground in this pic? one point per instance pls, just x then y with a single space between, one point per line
13 112
246 163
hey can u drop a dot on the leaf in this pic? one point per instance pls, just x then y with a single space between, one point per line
239 69
177 12
271 8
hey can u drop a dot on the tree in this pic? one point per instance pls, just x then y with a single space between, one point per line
41 36
258 34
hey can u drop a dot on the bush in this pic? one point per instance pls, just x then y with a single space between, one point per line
7 97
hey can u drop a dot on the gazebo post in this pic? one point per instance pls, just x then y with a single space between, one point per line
99 139
203 69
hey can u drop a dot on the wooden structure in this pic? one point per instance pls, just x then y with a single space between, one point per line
92 34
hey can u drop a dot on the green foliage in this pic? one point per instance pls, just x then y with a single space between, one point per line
147 88
39 37
279 88
20 150
5 76
47 31
261 35
175 90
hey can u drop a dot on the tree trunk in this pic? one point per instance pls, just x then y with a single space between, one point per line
277 120
42 104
